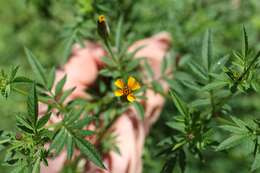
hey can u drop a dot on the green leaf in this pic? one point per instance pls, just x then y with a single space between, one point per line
214 85
59 140
36 166
60 85
133 65
148 69
32 105
68 45
180 105
197 70
89 150
182 160
70 146
220 63
65 94
43 120
13 72
207 50
86 132
108 61
21 79
157 87
139 108
36 66
176 125
119 33
239 122
73 115
231 142
234 129
163 65
245 43
21 120
169 165
200 102
51 78
256 163
83 122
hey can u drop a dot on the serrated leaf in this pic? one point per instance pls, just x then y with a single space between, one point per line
59 140
190 84
65 94
43 120
180 105
231 142
164 65
148 69
197 70
256 163
108 61
220 63
21 120
32 105
36 166
83 122
60 85
239 122
73 115
86 132
13 73
21 79
207 50
89 150
214 85
157 87
169 165
36 66
132 65
70 146
119 33
234 129
182 160
139 108
245 43
200 102
176 125
51 78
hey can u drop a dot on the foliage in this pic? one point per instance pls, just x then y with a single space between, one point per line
215 92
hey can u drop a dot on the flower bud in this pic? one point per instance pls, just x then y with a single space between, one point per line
102 27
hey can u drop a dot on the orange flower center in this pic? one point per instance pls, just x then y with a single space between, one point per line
126 91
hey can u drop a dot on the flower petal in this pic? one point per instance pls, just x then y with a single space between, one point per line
118 93
119 83
131 97
133 84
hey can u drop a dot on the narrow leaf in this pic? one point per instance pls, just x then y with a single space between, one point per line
256 163
231 142
180 105
32 105
89 150
36 66
207 50
139 108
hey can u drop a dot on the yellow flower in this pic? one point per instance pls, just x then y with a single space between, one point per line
127 90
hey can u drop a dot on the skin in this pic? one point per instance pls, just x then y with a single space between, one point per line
82 71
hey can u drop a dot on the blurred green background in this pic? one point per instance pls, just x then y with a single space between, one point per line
41 25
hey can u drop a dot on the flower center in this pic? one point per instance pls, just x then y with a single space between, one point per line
126 91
